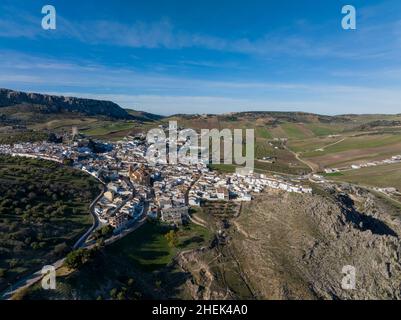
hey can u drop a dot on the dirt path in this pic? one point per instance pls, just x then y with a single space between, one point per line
331 144
200 222
313 166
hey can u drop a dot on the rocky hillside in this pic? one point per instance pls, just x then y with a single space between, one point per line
144 116
272 117
295 117
50 104
289 246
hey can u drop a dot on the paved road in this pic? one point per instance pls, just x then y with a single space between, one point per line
27 281
81 241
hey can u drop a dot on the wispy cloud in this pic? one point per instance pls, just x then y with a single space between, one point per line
372 101
297 40
335 71
166 94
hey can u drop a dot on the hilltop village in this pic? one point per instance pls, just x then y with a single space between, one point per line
134 189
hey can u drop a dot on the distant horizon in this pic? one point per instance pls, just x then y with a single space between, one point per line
253 55
200 114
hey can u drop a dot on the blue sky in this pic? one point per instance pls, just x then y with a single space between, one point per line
181 56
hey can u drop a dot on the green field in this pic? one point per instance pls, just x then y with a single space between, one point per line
345 150
95 127
312 144
262 133
223 168
144 256
358 143
107 128
295 131
153 251
56 123
320 130
380 176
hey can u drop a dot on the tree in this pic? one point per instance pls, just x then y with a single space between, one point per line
103 232
13 263
77 258
31 195
68 162
130 282
60 248
35 245
113 293
121 296
171 238
158 284
100 242
106 230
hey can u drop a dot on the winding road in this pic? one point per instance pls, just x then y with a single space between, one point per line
35 277
81 241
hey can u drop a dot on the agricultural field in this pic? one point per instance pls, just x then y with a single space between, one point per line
354 150
90 126
302 131
263 133
383 176
296 131
313 144
321 130
223 168
64 124
107 128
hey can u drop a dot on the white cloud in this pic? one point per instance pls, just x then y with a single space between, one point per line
168 94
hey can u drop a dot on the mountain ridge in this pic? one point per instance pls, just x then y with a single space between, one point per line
58 104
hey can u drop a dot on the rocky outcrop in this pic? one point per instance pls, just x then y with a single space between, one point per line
306 241
58 104
290 246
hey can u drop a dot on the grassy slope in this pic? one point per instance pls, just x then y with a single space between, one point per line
379 176
362 142
144 255
35 227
